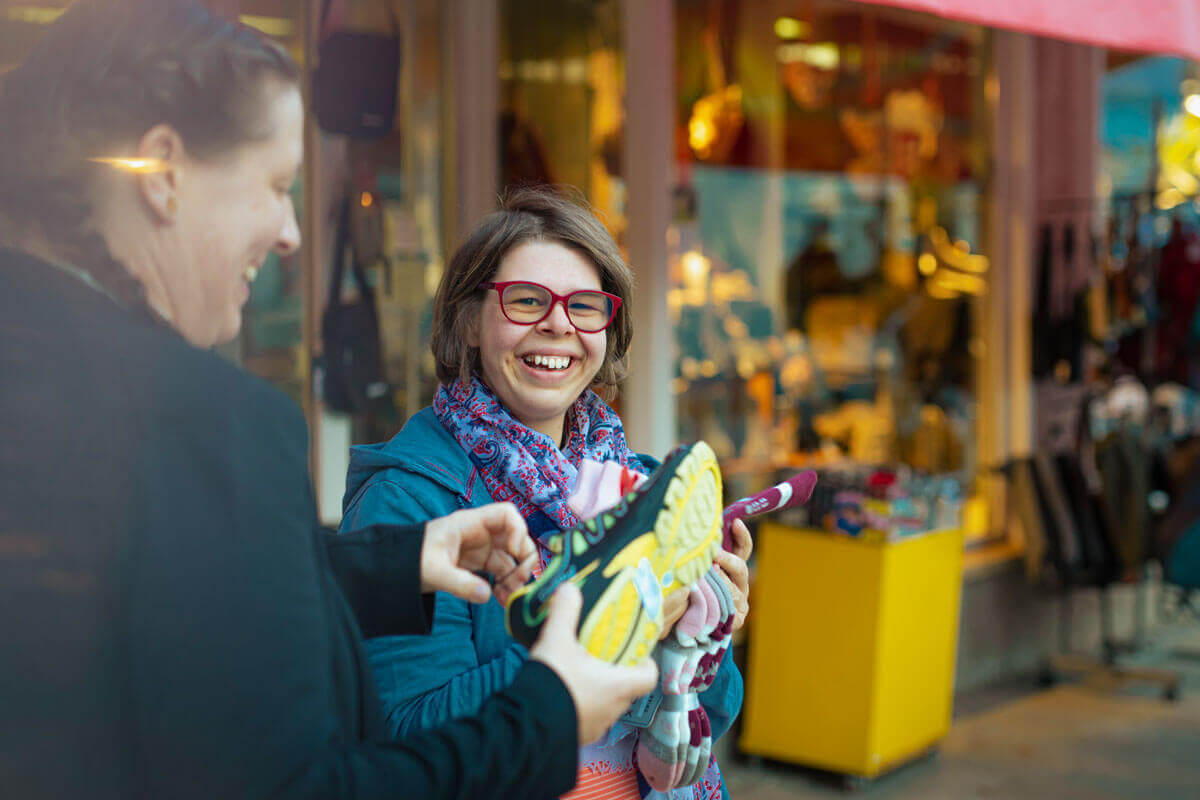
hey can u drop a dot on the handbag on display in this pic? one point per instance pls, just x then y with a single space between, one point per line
352 378
355 80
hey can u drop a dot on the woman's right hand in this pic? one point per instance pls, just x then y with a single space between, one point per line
602 692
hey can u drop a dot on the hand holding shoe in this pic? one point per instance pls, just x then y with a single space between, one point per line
673 607
736 575
492 539
601 691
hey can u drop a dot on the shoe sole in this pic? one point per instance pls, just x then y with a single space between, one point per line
685 538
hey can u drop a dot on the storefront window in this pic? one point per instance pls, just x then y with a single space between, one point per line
561 84
390 186
1148 191
271 343
828 263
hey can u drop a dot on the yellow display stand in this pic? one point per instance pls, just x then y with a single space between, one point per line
852 648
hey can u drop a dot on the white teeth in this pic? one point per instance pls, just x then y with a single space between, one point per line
548 362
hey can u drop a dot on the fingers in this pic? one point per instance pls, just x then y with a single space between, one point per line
674 607
499 564
462 583
737 576
735 568
600 691
509 531
518 576
563 618
492 538
497 527
743 543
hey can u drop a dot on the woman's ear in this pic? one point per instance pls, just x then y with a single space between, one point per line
161 149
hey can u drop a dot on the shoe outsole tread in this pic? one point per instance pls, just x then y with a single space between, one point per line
618 627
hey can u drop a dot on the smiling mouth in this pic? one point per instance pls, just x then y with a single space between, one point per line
552 363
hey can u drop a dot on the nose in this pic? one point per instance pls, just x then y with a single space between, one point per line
557 321
289 236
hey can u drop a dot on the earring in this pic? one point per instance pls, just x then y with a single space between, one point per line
172 205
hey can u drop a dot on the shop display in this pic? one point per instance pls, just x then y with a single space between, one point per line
881 504
356 78
352 373
827 279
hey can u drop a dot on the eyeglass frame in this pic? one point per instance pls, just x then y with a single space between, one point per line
555 298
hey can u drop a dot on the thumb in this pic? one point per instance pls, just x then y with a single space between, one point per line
465 585
563 620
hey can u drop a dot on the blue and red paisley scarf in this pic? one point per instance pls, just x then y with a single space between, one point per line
522 466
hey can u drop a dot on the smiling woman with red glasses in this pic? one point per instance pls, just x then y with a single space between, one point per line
531 330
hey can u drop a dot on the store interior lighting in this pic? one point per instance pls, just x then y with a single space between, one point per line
822 55
44 15
715 121
791 28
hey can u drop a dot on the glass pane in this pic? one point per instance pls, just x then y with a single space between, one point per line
394 187
561 85
827 270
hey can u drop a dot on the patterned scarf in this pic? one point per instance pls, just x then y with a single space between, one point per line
522 466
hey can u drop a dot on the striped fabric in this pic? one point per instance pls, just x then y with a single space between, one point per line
592 785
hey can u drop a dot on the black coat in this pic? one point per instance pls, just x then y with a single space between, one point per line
171 620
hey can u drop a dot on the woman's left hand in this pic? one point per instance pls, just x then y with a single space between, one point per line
736 574
743 545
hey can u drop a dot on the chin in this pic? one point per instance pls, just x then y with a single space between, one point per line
229 331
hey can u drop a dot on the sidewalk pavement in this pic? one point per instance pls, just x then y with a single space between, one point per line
1071 742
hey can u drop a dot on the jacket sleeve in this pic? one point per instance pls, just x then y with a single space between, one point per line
426 680
521 745
379 570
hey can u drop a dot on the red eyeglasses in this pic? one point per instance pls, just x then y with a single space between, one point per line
528 303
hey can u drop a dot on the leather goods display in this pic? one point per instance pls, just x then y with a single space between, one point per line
354 84
353 379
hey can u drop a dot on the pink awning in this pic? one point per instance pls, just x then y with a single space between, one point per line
1150 26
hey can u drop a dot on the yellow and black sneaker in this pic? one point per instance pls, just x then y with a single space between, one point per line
657 540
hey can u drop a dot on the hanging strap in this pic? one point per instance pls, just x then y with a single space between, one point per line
343 243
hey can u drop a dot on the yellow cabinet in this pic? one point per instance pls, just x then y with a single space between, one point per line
852 648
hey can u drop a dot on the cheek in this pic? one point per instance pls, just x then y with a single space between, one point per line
496 337
597 348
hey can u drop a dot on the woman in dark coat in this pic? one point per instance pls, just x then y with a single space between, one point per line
174 622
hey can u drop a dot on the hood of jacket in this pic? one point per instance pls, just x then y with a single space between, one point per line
423 447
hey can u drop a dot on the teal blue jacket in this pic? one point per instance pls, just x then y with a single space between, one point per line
426 680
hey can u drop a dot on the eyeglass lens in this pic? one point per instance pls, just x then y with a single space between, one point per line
529 303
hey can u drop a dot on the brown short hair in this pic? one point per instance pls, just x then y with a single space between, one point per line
100 77
527 215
